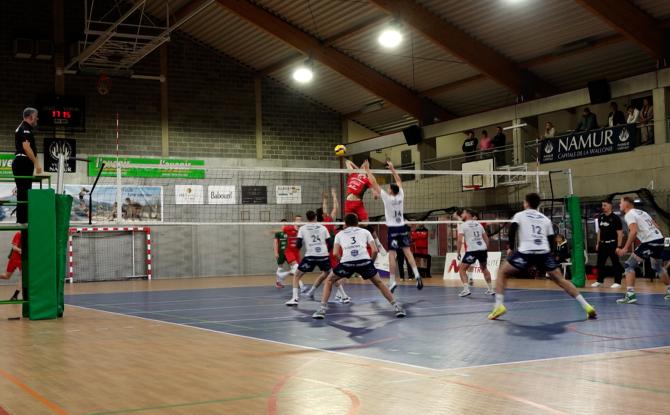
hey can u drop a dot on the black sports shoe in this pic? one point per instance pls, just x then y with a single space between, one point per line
15 297
419 283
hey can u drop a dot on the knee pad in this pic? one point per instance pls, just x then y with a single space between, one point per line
631 264
657 265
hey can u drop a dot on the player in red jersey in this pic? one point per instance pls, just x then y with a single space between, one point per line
292 252
14 262
357 184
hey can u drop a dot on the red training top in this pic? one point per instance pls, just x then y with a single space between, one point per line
331 228
420 239
292 236
16 240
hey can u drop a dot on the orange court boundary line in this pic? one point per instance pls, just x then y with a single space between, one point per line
44 401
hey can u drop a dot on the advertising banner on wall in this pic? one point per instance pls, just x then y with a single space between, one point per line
289 195
165 168
138 203
221 195
189 194
6 165
452 263
582 144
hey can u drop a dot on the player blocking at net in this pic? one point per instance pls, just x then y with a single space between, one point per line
536 244
353 242
477 242
398 232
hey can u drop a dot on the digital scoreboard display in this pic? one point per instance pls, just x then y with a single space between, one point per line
61 111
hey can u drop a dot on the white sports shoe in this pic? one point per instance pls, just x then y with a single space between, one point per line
345 300
596 284
464 293
615 285
292 301
393 287
489 292
304 289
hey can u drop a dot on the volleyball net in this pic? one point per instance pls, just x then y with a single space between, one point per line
211 221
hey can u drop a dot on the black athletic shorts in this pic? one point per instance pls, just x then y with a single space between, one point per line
651 249
365 268
308 263
398 237
542 262
471 257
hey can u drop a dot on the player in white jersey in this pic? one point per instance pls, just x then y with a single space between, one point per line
536 243
314 237
477 242
352 243
398 231
642 227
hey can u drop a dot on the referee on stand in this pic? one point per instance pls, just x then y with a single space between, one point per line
25 161
609 238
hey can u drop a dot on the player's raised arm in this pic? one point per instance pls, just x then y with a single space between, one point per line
394 173
336 204
350 165
374 186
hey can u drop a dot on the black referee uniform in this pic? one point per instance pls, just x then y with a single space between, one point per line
608 228
23 166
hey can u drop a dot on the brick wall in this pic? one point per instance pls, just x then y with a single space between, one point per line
211 99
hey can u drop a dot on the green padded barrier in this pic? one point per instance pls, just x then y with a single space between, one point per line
578 262
63 209
41 275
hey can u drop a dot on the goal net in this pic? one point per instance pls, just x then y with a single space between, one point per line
221 220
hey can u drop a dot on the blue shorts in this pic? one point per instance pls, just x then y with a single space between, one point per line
542 262
471 257
398 237
365 268
652 249
308 263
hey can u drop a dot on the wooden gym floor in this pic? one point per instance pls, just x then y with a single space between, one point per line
124 353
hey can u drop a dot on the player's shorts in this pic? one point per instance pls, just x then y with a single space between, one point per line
281 259
651 249
308 263
471 257
13 264
365 268
357 207
292 255
398 237
542 262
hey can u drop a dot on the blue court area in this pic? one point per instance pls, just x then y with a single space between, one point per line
441 331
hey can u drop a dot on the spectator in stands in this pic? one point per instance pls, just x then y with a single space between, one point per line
633 115
589 121
647 122
549 130
485 145
499 142
470 145
615 116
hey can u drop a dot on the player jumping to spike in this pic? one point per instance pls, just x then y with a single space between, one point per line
536 243
398 231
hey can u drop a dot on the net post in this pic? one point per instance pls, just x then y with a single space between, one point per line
570 188
577 258
61 174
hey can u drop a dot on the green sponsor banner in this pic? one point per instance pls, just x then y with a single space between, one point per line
165 168
6 165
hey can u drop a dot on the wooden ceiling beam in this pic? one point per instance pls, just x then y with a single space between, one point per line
627 19
390 91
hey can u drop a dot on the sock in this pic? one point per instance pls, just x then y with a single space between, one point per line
343 293
416 272
488 285
279 272
296 293
499 299
302 284
466 286
394 303
582 301
392 279
630 290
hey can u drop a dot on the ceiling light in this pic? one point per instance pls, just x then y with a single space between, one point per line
390 37
303 74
